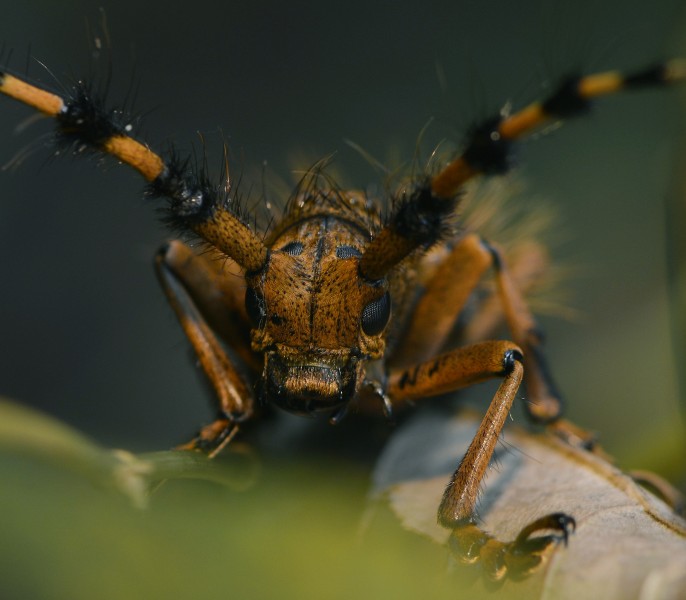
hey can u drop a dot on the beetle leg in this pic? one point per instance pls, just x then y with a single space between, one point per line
186 276
662 489
450 371
217 289
444 297
526 268
518 558
545 403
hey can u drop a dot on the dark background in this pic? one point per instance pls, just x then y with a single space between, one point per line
85 332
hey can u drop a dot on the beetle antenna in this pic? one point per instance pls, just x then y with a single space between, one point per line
420 217
85 124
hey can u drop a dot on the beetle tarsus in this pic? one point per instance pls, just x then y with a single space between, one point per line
470 544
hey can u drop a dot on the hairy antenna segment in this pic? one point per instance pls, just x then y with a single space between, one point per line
45 102
489 145
419 220
85 123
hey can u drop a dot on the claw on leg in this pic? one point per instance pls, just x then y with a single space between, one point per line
469 544
556 521
212 438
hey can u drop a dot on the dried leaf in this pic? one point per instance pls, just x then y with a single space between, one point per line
628 543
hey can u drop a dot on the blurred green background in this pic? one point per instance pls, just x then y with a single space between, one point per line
86 333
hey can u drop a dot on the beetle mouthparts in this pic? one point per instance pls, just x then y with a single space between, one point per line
307 389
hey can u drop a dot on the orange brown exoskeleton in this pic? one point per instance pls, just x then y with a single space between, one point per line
328 313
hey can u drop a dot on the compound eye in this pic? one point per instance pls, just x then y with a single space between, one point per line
347 252
293 248
255 306
376 314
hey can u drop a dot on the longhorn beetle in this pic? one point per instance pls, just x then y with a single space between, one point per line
329 313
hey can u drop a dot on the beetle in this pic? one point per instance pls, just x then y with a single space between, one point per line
339 306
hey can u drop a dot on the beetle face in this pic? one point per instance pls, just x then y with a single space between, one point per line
317 322
298 384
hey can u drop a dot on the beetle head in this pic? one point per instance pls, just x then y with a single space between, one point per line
315 320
